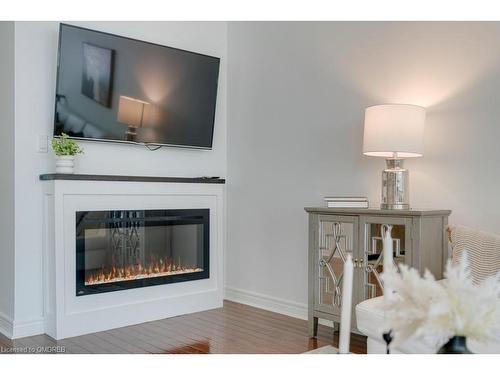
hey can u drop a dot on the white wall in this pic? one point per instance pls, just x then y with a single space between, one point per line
36 51
296 99
7 175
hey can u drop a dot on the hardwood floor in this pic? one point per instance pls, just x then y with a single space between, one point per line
235 328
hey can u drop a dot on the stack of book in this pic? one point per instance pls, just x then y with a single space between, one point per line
346 202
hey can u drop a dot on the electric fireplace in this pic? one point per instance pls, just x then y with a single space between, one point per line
118 250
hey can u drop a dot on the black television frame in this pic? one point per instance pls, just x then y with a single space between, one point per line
61 25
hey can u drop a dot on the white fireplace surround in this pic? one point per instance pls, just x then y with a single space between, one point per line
67 315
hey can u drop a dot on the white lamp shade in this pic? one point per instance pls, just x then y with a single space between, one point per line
394 130
131 111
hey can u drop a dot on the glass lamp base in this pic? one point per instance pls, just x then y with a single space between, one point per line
395 189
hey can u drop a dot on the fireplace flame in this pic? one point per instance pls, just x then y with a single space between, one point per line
153 268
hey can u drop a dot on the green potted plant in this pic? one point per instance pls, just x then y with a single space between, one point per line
65 149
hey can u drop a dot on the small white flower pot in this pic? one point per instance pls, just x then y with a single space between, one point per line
65 164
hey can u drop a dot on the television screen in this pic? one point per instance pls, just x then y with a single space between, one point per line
119 89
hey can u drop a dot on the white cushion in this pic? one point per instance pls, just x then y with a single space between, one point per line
369 312
370 322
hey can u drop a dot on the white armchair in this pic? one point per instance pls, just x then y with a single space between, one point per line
484 257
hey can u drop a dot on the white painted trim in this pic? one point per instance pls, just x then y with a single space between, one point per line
18 329
67 315
27 328
266 302
5 325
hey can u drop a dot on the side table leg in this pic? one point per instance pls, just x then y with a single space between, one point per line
336 327
313 326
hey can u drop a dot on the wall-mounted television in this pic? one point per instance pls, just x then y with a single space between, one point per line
114 88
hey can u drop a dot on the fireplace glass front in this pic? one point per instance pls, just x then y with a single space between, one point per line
117 250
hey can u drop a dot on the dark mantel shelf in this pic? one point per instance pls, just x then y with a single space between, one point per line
101 177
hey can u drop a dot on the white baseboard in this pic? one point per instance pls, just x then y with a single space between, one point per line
27 328
266 302
5 325
18 329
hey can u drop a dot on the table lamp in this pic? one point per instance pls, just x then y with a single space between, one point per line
131 113
395 132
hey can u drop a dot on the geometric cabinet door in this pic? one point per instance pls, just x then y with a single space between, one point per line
337 237
372 246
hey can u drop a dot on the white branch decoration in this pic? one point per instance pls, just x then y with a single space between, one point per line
435 311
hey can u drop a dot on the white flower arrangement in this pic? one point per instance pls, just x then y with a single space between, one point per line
435 311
